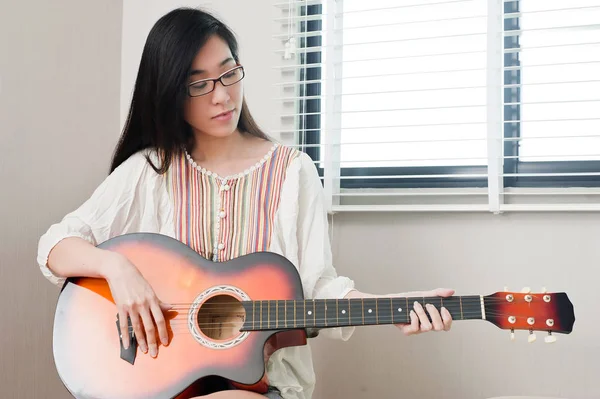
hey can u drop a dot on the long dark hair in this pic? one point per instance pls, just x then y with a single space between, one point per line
156 115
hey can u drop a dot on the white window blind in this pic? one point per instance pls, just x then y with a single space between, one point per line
475 105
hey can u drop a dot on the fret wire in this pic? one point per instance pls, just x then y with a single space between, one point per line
304 302
281 312
349 312
356 316
393 311
363 310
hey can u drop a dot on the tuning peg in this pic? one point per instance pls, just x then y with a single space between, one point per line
531 337
512 334
544 290
526 290
550 339
505 289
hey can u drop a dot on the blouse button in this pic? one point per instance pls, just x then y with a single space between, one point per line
222 214
221 246
225 187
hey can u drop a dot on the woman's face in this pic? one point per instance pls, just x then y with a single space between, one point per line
215 114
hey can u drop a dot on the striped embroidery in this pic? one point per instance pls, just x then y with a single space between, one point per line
224 218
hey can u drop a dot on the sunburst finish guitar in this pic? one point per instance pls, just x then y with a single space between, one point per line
230 317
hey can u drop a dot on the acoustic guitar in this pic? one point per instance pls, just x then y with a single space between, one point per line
229 318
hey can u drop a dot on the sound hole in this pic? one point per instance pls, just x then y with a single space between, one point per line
221 317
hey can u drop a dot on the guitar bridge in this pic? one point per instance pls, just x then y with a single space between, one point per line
127 354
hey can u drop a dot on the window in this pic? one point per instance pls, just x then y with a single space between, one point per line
554 54
404 94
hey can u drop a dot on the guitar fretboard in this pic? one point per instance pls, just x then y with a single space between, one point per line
330 313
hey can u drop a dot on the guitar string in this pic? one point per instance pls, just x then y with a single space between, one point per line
300 312
380 302
312 320
278 309
474 298
236 332
277 313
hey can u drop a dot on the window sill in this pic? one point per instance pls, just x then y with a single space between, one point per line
467 200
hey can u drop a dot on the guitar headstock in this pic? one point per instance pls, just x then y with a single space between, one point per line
543 311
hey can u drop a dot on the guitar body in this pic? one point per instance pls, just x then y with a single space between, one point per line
205 340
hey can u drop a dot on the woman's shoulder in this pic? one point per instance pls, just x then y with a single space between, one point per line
293 155
140 169
301 168
140 162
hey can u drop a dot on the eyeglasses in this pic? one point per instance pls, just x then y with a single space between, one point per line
205 86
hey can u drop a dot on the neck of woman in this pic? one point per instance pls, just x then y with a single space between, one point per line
211 149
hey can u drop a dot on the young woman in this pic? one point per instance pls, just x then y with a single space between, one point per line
192 164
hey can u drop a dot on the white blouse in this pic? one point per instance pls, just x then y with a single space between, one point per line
134 198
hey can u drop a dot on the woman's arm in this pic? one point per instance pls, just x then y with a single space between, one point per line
74 257
68 249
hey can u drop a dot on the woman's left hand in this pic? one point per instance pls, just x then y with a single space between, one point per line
441 320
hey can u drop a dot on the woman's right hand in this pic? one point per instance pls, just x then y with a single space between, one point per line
136 299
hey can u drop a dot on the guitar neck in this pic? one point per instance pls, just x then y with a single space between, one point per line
331 313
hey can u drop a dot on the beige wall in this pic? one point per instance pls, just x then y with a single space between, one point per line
474 254
59 118
59 106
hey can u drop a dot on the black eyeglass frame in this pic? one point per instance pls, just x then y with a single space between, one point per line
219 79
